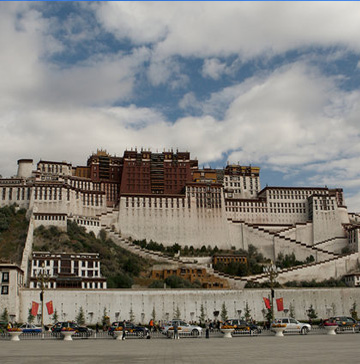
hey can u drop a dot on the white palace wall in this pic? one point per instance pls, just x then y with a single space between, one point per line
118 303
177 224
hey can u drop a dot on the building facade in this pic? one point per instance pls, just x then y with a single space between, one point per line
11 283
81 271
166 197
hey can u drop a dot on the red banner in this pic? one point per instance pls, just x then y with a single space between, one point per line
280 304
50 308
267 303
34 308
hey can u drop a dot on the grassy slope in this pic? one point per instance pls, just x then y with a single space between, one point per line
13 232
118 265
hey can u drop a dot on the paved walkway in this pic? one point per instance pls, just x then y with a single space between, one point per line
289 349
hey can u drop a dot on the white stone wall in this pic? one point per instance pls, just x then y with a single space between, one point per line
335 268
27 249
169 225
14 193
118 303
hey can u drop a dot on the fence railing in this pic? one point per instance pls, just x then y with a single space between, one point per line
105 335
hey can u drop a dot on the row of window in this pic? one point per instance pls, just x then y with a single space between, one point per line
52 168
21 193
87 222
265 210
155 203
50 217
5 277
294 194
56 263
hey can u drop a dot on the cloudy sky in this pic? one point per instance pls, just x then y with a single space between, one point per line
275 85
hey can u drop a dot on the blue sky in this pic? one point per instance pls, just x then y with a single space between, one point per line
273 84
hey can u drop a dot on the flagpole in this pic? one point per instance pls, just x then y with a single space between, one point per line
42 278
273 271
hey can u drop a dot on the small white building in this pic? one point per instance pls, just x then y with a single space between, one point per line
67 270
11 280
352 279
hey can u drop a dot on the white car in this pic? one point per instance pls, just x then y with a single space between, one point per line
183 327
293 325
30 328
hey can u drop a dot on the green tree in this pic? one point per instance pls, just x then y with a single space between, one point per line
102 235
353 311
157 284
131 315
292 310
55 317
247 313
224 313
80 318
30 317
5 315
177 313
202 314
105 317
311 313
333 307
153 314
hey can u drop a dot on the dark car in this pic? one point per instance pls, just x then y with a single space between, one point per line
242 325
80 331
345 323
139 331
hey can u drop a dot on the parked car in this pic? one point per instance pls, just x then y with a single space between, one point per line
30 328
139 331
184 328
242 325
81 331
293 325
345 323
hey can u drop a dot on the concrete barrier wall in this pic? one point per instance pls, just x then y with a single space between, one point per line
118 303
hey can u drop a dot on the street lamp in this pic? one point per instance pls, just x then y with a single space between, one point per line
272 271
42 278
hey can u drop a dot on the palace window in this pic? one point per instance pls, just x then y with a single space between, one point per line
5 277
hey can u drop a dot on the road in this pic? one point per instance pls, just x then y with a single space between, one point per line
262 349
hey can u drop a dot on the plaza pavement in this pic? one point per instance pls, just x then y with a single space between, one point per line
320 349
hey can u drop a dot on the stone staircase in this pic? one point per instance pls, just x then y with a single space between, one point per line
306 270
312 250
109 218
234 282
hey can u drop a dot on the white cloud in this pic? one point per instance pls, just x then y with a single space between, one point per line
223 28
213 68
190 103
294 118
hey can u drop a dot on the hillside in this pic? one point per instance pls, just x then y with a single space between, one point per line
120 267
13 232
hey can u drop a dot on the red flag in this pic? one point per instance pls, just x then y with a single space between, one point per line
34 308
280 304
50 308
267 303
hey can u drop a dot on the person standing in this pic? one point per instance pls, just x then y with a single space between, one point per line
176 330
151 324
124 331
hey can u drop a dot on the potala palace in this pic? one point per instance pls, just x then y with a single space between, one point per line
166 197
